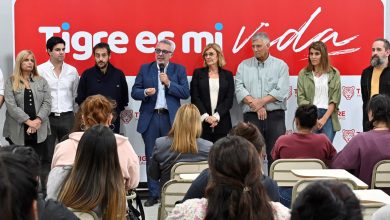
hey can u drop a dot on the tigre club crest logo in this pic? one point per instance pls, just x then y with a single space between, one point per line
348 134
348 92
126 115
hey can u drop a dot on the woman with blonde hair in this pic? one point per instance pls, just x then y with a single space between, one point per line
96 109
95 182
183 143
212 91
28 101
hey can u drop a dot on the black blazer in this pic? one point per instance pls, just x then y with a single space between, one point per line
200 96
365 85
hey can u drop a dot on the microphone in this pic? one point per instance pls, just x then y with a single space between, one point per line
161 66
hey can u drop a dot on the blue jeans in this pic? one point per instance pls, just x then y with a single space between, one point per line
327 129
285 194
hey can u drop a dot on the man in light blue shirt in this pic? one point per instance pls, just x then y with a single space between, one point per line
262 85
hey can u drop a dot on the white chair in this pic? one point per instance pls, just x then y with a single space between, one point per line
281 169
171 192
303 183
381 174
187 168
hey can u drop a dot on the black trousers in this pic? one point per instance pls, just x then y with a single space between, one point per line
271 128
60 126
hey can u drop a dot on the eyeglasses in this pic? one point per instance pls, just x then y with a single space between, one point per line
159 51
208 54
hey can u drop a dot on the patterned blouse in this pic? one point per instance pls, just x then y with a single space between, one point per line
195 209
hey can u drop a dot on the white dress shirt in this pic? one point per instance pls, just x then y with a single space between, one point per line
63 87
321 98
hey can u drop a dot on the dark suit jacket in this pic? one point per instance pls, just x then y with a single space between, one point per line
148 78
200 96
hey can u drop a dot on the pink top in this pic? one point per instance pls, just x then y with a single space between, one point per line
65 154
195 209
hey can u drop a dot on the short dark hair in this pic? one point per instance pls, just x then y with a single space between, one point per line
28 155
329 199
51 42
102 45
18 187
379 106
306 115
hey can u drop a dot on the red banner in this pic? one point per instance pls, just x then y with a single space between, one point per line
132 29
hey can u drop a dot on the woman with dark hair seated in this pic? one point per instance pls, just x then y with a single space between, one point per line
18 189
302 144
324 200
250 132
365 149
29 158
234 191
95 182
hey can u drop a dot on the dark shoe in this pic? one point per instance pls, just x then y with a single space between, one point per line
151 201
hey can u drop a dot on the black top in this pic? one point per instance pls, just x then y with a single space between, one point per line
29 109
112 84
198 187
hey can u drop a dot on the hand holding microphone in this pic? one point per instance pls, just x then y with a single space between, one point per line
163 76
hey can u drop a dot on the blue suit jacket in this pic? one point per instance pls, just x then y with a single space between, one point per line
148 78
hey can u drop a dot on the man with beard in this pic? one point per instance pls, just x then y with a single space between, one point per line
375 79
104 79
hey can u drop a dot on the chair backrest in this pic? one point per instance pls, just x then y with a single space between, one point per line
281 169
369 208
91 215
171 192
187 168
303 183
381 174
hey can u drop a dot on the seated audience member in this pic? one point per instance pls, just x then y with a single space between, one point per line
382 213
250 132
97 109
95 182
234 191
304 143
46 209
183 143
18 189
365 149
325 200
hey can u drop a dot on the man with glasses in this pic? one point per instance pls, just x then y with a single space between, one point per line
159 85
104 79
262 86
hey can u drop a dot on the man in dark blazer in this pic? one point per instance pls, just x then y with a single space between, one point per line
375 79
159 85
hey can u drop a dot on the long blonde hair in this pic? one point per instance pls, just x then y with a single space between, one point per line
17 75
186 129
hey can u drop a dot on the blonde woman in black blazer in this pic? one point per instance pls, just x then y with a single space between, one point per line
212 91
